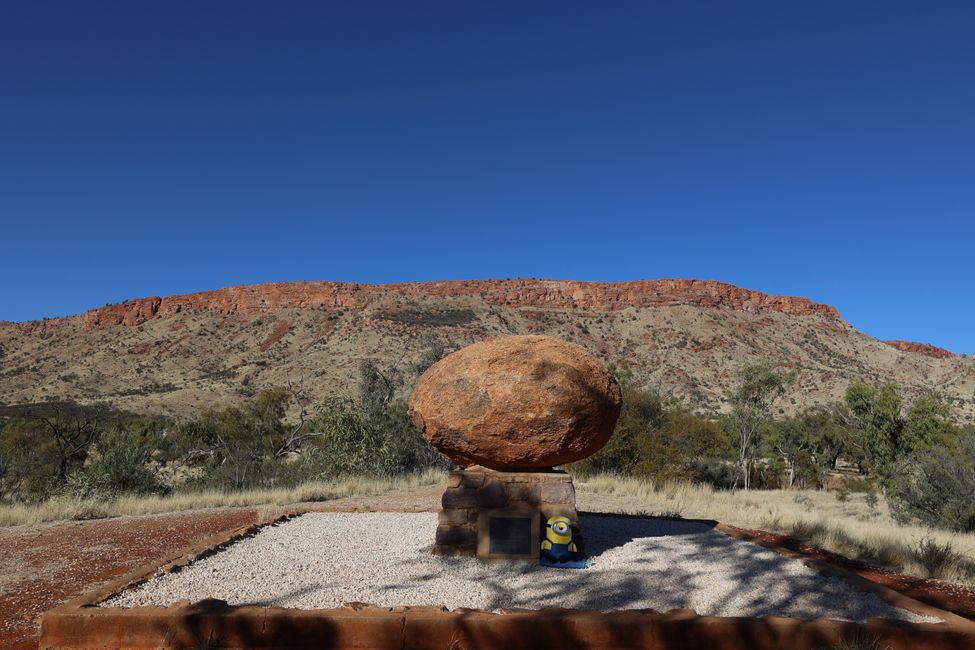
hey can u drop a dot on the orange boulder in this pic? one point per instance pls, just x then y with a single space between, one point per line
517 402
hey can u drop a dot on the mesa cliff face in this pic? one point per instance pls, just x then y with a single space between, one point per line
559 294
923 348
179 354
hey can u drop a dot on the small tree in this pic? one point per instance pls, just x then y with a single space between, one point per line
376 387
120 466
890 440
72 429
642 410
809 445
243 439
26 456
375 436
756 390
877 424
654 437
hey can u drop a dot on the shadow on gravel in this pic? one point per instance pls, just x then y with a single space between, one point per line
604 532
681 565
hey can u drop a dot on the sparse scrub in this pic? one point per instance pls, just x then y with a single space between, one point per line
60 461
852 529
61 508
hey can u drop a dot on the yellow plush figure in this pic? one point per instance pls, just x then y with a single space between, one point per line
558 549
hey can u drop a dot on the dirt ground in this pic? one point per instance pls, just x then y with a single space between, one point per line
45 565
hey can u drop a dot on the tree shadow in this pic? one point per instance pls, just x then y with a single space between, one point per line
662 564
642 563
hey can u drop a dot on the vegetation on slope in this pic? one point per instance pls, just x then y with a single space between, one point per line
909 466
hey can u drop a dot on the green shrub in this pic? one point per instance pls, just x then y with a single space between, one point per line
120 467
716 472
940 491
349 441
654 438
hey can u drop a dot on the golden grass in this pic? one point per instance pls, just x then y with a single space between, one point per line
63 508
851 528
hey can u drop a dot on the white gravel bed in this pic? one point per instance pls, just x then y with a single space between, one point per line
322 560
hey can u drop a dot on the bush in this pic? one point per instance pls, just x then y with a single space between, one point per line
351 442
121 467
940 491
717 472
654 438
27 457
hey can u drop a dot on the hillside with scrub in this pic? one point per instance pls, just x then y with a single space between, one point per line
177 355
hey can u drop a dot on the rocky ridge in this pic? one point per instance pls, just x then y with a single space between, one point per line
562 294
923 348
178 355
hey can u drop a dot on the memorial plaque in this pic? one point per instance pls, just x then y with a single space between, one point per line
508 534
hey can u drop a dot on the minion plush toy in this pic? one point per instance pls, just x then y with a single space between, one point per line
558 549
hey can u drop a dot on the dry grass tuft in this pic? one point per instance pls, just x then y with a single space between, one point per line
860 640
859 527
73 508
939 559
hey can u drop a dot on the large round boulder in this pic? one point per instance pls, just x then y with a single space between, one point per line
517 402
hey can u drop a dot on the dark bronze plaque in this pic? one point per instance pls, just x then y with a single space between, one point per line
508 534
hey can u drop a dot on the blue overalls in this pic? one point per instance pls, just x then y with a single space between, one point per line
558 552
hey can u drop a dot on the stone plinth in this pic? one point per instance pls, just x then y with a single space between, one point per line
477 489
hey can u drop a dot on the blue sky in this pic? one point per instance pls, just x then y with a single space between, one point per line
825 149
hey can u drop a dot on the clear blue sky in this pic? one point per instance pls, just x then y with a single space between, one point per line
819 149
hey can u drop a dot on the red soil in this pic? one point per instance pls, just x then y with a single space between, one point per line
44 566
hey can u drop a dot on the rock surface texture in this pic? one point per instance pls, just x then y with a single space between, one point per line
517 402
565 294
922 348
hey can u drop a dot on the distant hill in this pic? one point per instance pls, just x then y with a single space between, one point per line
177 354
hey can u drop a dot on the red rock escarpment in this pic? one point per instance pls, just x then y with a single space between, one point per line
517 293
923 348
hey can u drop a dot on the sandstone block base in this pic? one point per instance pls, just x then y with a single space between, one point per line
475 489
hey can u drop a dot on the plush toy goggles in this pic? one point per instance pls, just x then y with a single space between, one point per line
559 527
